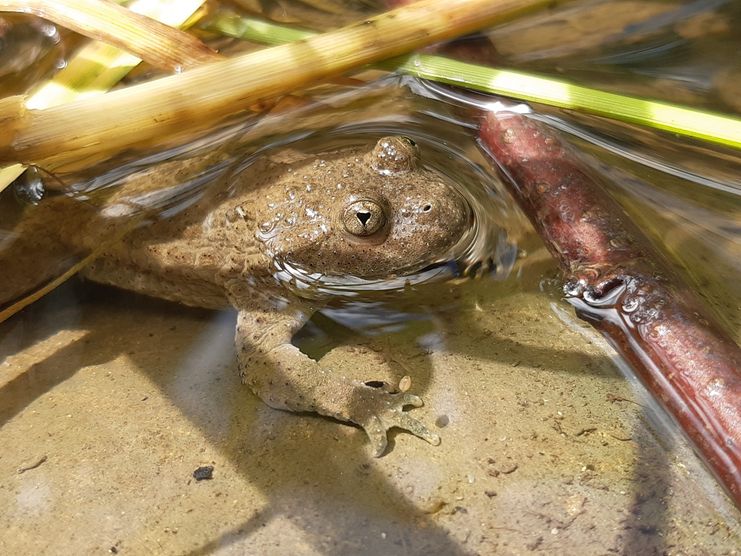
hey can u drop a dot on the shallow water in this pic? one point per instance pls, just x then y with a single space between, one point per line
547 445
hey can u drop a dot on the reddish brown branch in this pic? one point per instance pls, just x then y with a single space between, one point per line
619 283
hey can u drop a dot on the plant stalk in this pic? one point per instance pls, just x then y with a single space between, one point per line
195 99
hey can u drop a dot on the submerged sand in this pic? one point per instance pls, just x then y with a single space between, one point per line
110 401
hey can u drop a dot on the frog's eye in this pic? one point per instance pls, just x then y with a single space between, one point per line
363 218
394 155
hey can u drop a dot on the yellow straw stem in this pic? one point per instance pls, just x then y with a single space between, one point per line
196 98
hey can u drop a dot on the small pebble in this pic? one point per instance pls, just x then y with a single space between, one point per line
203 473
442 421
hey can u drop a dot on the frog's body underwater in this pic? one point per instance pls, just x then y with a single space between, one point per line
367 213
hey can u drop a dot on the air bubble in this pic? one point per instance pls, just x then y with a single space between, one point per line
630 304
267 226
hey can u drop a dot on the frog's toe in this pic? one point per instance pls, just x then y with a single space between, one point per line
417 428
411 399
384 411
376 435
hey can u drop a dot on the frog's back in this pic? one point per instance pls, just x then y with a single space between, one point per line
190 256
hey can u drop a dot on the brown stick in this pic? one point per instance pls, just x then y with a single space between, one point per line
620 284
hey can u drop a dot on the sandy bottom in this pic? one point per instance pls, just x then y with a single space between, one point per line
110 401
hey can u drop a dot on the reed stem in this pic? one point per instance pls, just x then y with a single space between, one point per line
196 99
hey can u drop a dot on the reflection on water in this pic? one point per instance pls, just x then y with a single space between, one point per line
30 50
676 51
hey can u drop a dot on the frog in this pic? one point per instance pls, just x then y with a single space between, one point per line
362 212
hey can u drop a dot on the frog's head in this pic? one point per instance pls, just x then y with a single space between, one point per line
365 214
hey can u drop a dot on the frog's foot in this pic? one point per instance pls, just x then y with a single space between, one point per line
285 378
378 409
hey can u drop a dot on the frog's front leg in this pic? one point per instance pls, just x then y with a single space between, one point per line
285 378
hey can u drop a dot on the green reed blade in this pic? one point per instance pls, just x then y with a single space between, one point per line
709 126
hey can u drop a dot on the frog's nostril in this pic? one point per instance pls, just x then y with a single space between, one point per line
427 208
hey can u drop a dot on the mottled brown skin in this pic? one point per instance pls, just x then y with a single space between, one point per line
619 283
352 213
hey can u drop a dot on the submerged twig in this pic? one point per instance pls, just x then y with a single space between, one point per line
197 98
35 295
621 285
145 37
33 465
